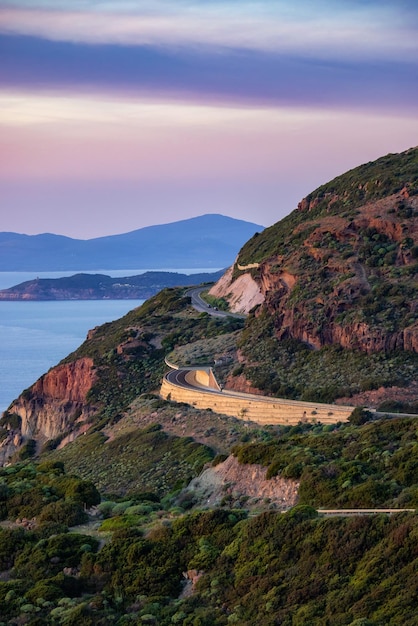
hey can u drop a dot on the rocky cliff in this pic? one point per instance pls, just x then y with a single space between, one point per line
243 293
118 362
54 407
231 481
342 268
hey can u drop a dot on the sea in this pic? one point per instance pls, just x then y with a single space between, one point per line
35 336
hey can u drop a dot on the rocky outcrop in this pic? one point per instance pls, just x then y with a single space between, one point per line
55 404
69 383
363 337
375 397
10 442
243 294
230 481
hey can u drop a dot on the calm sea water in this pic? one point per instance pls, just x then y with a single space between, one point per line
34 336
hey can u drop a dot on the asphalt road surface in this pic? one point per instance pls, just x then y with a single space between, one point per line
200 305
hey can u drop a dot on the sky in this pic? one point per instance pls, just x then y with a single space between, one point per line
115 115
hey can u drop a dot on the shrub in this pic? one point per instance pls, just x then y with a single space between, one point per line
28 450
62 512
360 416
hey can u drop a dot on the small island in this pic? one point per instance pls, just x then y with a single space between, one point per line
103 287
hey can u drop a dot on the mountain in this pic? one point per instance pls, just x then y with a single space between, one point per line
180 515
206 241
100 286
342 268
332 291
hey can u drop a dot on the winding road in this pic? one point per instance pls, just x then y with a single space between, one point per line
200 305
198 386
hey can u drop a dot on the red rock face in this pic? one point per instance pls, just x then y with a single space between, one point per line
56 403
69 383
241 384
353 337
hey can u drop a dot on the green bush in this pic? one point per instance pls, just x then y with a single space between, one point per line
28 450
62 512
360 416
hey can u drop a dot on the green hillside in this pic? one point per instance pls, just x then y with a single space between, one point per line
128 564
339 277
159 325
342 196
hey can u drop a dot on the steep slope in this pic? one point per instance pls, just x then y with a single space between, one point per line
157 557
342 268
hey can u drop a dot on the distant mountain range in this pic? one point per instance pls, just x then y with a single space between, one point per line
206 241
103 287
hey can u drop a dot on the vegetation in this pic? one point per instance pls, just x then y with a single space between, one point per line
28 490
290 369
142 460
340 197
349 253
295 568
101 532
129 352
219 303
398 406
205 351
344 466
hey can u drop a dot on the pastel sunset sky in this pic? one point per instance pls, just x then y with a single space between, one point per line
116 115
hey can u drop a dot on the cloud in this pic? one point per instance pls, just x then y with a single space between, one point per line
353 30
243 77
233 106
350 54
86 136
20 108
52 136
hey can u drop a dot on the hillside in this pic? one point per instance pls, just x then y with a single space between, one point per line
202 242
319 332
118 362
157 555
170 543
342 268
101 286
136 562
339 273
161 513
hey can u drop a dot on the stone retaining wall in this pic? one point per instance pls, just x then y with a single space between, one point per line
250 266
257 409
205 378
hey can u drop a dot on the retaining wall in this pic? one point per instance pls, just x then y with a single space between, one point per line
256 408
205 378
250 266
